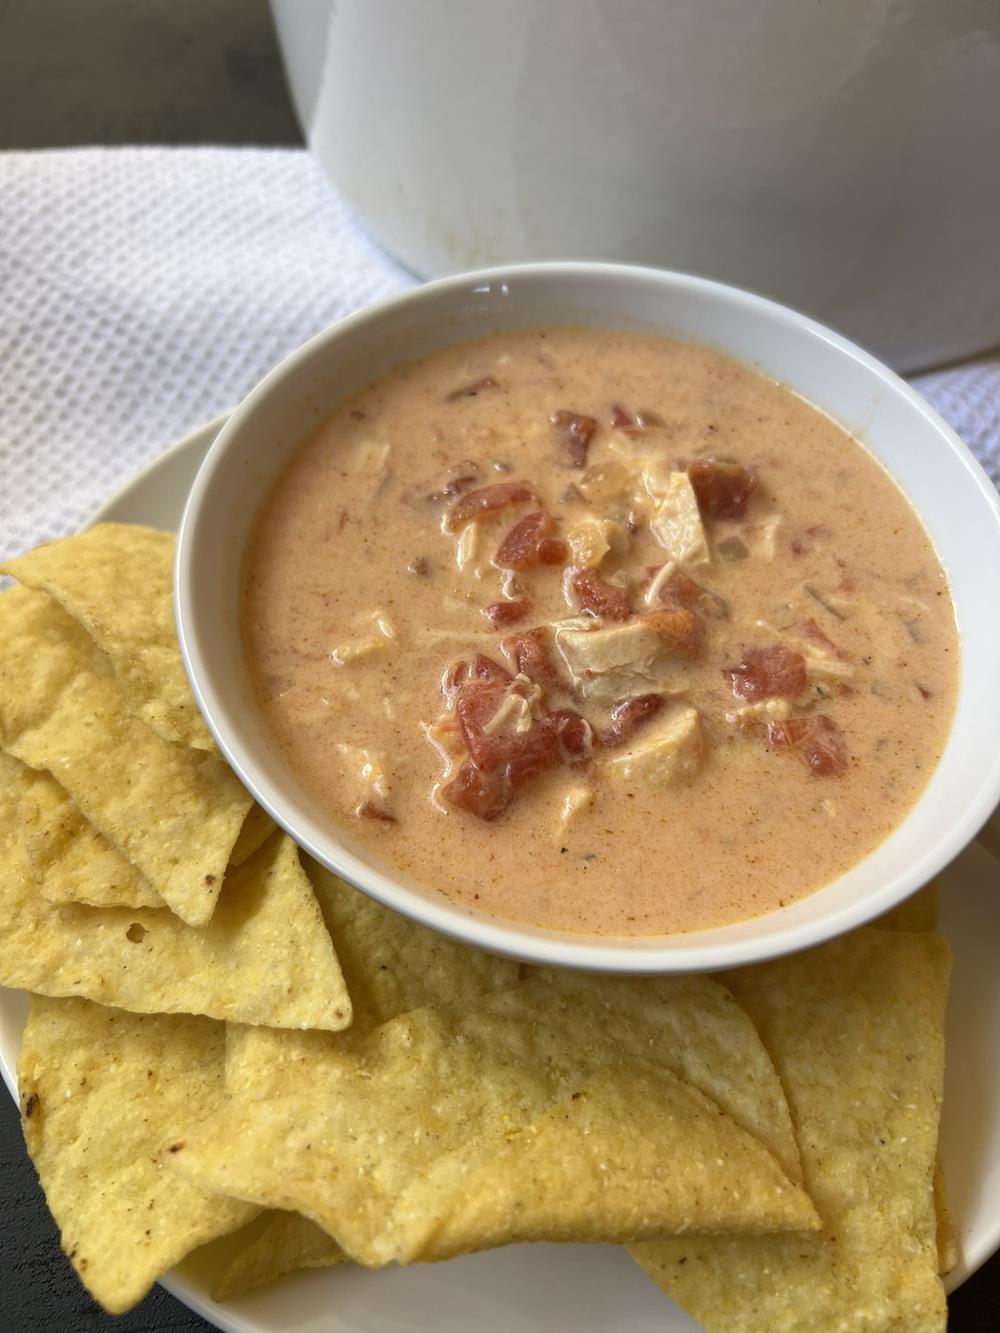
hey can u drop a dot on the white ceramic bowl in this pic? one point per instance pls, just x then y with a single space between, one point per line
958 504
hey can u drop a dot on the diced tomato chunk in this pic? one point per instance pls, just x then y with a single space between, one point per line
679 589
600 597
678 628
574 736
477 704
479 667
811 631
486 795
530 542
723 489
574 432
628 717
472 390
503 614
487 500
527 651
775 672
552 551
625 421
817 738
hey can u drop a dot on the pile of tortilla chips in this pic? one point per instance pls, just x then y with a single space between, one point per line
221 1037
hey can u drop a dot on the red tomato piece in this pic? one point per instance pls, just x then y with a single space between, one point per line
574 432
485 795
503 614
625 421
487 500
817 738
723 489
679 629
628 717
600 597
775 672
811 631
479 667
522 545
527 651
573 734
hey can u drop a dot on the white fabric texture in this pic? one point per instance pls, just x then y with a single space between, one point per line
145 290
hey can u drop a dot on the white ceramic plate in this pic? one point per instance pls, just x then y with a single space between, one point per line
593 1288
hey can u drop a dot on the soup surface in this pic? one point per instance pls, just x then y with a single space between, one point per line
599 631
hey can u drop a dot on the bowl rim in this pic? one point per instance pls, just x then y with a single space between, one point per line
621 955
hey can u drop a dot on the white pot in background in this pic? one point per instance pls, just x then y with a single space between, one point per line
843 157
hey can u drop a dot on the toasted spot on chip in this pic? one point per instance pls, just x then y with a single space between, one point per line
94 1122
276 1243
115 580
175 813
855 1029
441 1132
265 957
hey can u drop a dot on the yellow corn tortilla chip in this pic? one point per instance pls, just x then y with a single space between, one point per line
73 863
116 581
855 1029
69 859
100 1091
257 828
551 1110
393 965
277 1243
947 1233
175 813
265 957
917 913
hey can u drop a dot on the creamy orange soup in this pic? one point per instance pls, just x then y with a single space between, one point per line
600 631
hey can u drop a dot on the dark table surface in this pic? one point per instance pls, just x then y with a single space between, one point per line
164 71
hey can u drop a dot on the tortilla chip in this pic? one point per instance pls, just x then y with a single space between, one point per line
265 957
173 812
278 1243
116 581
73 863
101 1091
856 1031
948 1249
393 965
917 913
549 1111
257 828
69 859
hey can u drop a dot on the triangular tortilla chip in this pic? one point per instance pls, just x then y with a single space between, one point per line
174 813
856 1031
265 957
69 859
101 1091
116 580
73 863
277 1243
392 964
551 1110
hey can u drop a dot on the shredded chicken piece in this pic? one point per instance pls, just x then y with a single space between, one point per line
380 633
